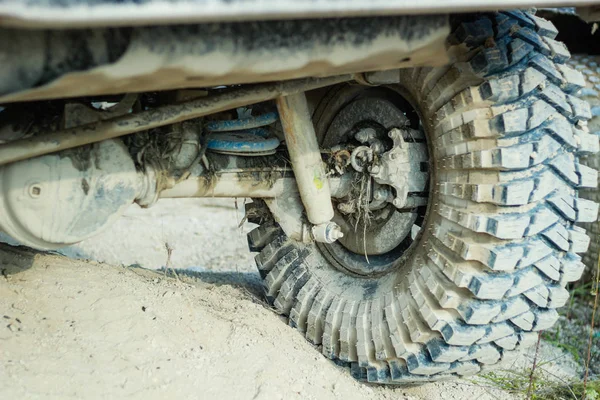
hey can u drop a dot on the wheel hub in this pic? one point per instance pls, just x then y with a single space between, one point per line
388 155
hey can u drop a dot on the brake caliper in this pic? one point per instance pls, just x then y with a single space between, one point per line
400 168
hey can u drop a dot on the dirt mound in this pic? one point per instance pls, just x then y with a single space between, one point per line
74 329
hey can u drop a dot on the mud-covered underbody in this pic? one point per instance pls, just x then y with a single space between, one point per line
85 62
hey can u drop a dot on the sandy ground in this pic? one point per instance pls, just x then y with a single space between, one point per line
83 329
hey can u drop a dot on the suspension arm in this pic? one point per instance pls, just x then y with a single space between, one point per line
157 117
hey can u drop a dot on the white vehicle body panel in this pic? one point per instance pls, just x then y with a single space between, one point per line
89 13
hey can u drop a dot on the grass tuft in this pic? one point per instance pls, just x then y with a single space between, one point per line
518 382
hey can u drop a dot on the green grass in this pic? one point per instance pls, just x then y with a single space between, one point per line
585 290
518 382
507 380
554 339
592 391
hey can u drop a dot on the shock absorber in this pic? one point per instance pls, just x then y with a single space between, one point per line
308 166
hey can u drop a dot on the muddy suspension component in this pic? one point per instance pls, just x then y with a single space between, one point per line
88 187
308 166
58 199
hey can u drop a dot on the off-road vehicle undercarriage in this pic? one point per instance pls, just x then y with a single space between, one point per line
414 178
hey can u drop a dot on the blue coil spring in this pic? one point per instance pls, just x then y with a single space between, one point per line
243 136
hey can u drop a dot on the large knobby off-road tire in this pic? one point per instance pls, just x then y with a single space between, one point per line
499 240
589 66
